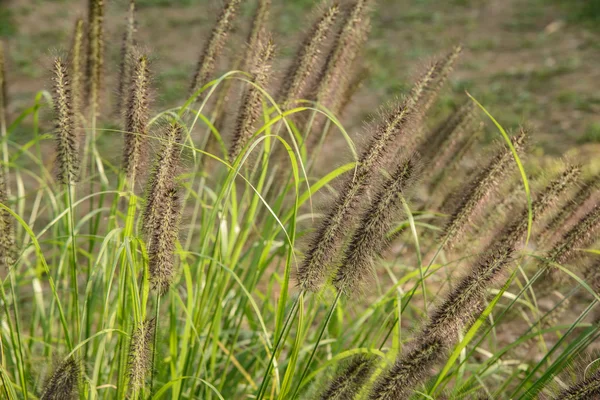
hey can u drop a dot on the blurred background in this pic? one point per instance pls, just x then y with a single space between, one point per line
528 61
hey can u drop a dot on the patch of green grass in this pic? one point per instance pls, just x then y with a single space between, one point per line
591 134
7 27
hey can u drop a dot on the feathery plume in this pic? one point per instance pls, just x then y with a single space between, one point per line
214 45
76 62
579 199
440 140
136 119
478 190
251 107
369 239
333 80
443 68
323 248
66 139
465 302
63 383
306 57
349 380
95 53
586 389
127 48
354 86
140 353
161 251
3 93
400 380
7 232
162 177
581 235
261 15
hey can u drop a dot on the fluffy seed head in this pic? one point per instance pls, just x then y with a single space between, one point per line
478 191
214 45
76 63
408 371
583 234
349 380
7 233
136 119
261 16
323 248
127 50
140 353
369 239
95 53
162 178
306 58
251 107
161 252
443 69
66 140
3 93
62 384
585 389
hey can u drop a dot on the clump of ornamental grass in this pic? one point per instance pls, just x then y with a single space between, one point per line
162 178
127 50
66 140
161 248
136 118
95 54
64 381
139 360
349 379
477 191
251 107
464 303
76 58
370 238
214 46
324 245
305 61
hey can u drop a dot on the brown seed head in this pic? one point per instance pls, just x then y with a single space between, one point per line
95 54
139 359
127 50
64 381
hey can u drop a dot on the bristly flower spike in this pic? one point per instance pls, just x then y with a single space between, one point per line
304 63
136 119
162 178
349 380
140 353
76 64
66 139
324 245
95 53
369 240
261 16
251 107
214 45
64 381
3 93
127 50
478 190
161 251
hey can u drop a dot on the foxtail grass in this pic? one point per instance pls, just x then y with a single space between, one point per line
370 238
251 107
304 63
95 54
76 60
214 45
478 190
140 354
127 50
136 119
349 380
64 381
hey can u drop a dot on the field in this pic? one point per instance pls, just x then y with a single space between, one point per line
232 199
